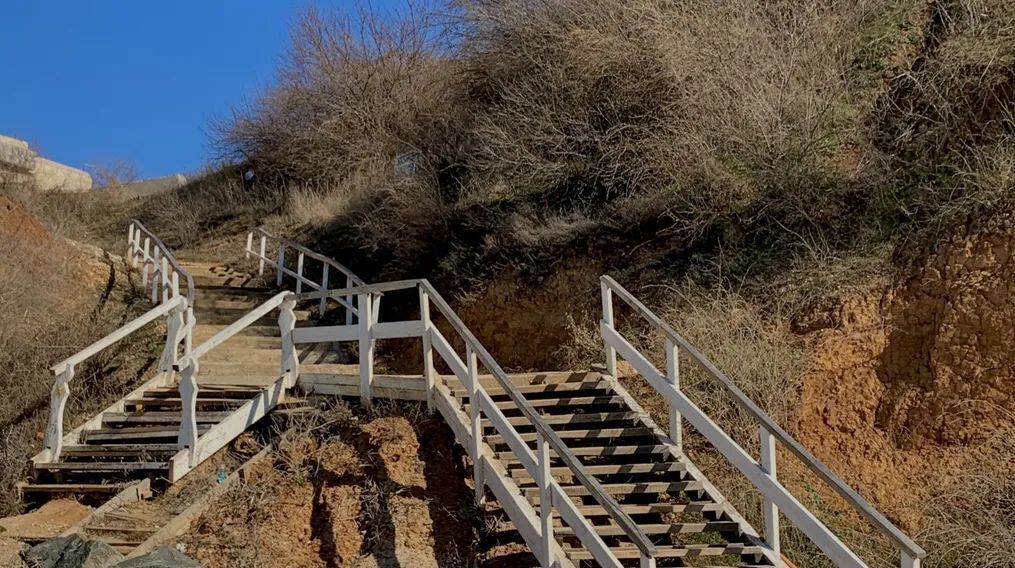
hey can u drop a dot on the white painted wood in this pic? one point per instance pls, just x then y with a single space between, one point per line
187 439
325 334
447 353
810 525
57 404
299 272
175 329
476 417
250 245
188 337
428 369
543 480
226 431
280 265
861 505
611 355
909 561
324 286
144 273
503 427
261 257
366 350
676 428
770 512
397 329
240 324
166 284
290 364
175 290
570 515
156 275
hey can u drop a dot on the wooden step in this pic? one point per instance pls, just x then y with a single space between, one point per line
558 390
208 392
123 418
102 466
566 419
563 404
176 402
532 493
601 451
119 450
603 434
131 433
73 487
608 469
683 551
597 510
660 528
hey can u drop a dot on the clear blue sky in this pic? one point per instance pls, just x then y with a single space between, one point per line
91 82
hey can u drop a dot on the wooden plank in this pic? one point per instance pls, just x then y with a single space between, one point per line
397 329
606 469
565 419
180 523
224 432
601 433
416 395
508 434
682 551
654 508
607 450
622 488
71 487
551 389
448 354
132 493
582 529
665 528
104 466
325 334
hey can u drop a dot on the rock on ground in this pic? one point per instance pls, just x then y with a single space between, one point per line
72 551
161 557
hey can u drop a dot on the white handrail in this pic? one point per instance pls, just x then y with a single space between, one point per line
176 334
552 497
762 473
277 262
165 267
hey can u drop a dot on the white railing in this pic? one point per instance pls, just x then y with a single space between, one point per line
762 472
189 365
332 272
142 246
177 335
535 526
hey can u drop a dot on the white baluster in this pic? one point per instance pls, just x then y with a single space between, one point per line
290 364
299 272
188 416
250 245
348 302
428 370
769 511
260 260
366 350
144 261
611 353
174 336
281 264
673 377
57 404
324 286
476 415
164 280
543 478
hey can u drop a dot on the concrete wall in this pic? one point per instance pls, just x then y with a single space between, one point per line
18 162
145 188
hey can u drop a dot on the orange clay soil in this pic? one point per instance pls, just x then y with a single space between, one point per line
385 492
908 381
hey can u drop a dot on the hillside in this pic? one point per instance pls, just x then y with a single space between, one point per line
818 194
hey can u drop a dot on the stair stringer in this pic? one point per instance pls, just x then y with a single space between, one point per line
219 435
162 379
749 532
509 495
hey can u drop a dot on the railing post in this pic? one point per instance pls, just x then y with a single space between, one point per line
176 284
250 245
57 404
165 281
188 338
324 286
428 371
299 272
348 301
769 511
673 377
174 336
290 362
155 276
281 264
260 259
543 478
366 350
476 416
611 353
909 561
188 415
130 244
144 261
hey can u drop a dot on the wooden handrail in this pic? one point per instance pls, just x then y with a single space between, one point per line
623 520
232 329
861 505
168 255
314 255
121 333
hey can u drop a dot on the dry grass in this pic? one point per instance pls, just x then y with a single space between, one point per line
54 300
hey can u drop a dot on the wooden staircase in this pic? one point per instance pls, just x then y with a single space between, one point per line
634 461
137 437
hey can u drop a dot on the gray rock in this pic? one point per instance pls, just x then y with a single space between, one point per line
74 551
161 557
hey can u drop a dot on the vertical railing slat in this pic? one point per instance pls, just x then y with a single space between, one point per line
770 512
476 417
543 479
673 377
611 353
428 370
366 350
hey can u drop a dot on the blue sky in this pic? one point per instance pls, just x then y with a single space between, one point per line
93 82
